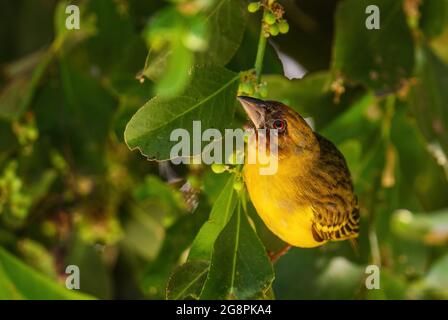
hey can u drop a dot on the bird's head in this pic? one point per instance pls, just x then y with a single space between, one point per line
294 134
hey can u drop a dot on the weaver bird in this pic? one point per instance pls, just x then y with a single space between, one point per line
309 200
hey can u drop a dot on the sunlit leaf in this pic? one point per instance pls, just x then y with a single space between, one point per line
429 228
340 278
379 58
392 287
210 98
226 21
222 210
437 278
25 75
187 280
429 97
19 281
240 268
177 239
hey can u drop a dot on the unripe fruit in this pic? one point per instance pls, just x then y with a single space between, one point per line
253 7
274 29
32 134
238 185
269 18
248 88
283 26
218 168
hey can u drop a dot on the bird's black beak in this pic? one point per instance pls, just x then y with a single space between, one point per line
255 109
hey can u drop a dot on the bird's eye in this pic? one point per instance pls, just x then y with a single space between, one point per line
279 124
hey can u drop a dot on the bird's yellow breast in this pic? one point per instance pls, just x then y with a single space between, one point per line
276 199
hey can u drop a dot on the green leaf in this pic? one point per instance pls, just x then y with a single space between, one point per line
143 235
352 122
341 278
114 29
25 74
240 267
79 121
175 73
222 210
429 228
169 59
226 22
66 39
210 98
392 287
434 17
351 149
96 277
19 281
38 257
422 182
437 278
156 62
310 96
187 280
178 238
9 139
379 59
321 273
429 97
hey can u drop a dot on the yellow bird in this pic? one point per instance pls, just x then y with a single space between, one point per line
309 200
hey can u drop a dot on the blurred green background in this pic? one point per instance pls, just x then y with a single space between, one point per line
71 192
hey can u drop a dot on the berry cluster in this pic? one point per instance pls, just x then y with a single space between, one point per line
250 87
232 167
273 22
14 203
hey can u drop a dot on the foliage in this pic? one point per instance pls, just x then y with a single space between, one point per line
73 102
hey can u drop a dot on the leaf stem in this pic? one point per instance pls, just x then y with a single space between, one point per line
260 50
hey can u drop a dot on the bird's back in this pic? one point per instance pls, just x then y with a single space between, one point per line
335 206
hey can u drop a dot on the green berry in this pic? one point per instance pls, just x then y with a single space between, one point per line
16 184
283 26
270 18
218 168
253 7
32 134
273 29
247 88
238 185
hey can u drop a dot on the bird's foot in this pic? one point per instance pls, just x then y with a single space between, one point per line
274 256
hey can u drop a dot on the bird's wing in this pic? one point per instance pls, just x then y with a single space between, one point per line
336 212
